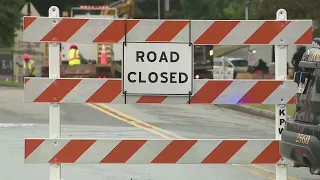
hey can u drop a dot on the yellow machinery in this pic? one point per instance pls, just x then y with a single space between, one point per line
125 9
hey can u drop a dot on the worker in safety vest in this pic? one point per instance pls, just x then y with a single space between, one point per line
28 66
74 56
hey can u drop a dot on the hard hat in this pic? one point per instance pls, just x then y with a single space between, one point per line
26 57
73 46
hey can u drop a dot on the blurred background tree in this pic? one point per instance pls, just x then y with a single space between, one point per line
179 9
9 20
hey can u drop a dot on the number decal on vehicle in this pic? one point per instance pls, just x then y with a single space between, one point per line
303 139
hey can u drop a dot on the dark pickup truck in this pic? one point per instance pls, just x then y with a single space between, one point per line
300 141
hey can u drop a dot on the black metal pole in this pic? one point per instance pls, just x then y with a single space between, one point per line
273 46
29 9
273 54
161 9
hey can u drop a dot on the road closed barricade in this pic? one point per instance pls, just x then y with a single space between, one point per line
158 68
104 151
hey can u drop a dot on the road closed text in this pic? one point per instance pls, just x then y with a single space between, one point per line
153 77
157 68
157 77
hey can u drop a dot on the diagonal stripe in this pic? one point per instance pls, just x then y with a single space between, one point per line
198 27
216 32
35 87
249 151
176 100
31 145
142 30
267 32
97 151
258 93
130 24
198 84
291 101
64 30
48 149
115 31
167 31
174 151
107 92
84 90
183 36
148 152
306 38
151 99
39 28
26 80
57 90
27 21
123 151
210 91
269 155
199 152
282 94
233 93
241 32
224 152
72 151
291 33
87 33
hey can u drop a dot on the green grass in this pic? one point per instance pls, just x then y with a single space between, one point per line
290 107
6 50
11 83
224 50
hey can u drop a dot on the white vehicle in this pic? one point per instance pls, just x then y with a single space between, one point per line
239 64
222 69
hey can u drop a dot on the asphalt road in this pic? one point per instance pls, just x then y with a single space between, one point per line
19 120
14 110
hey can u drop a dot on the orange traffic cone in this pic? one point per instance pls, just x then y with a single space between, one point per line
103 56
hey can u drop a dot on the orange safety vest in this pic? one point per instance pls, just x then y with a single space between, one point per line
73 57
29 68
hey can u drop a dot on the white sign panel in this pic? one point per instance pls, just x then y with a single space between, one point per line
157 68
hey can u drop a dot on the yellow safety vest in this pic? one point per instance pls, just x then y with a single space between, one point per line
30 68
73 57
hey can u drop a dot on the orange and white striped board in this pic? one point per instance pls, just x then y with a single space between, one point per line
88 90
96 151
198 32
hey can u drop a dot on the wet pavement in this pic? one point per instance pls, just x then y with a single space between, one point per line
19 120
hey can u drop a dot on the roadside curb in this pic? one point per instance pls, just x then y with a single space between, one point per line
249 110
4 85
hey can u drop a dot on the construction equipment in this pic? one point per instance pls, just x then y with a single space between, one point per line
91 66
203 61
125 8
